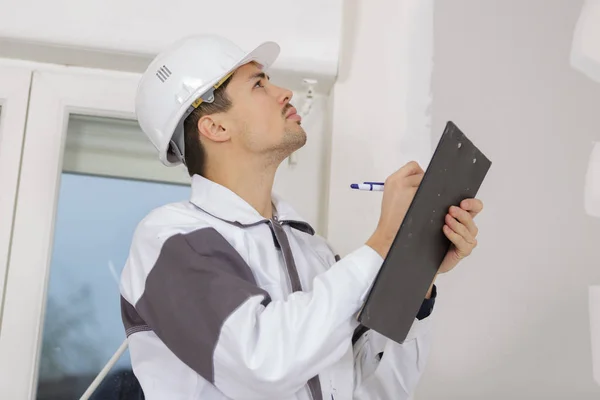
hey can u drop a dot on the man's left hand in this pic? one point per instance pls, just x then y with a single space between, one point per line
462 232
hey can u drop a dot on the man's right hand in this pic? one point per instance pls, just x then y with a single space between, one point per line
398 193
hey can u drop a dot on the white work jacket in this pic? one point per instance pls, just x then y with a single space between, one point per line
220 303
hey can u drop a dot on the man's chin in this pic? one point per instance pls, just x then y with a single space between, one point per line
300 138
294 140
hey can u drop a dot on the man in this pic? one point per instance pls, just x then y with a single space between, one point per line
232 295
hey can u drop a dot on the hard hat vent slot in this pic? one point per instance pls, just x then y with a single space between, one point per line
163 73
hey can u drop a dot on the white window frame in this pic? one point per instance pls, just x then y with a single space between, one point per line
55 95
14 95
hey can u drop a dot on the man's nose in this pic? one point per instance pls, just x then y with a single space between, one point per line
284 95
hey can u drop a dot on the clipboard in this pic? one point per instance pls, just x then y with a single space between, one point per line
456 172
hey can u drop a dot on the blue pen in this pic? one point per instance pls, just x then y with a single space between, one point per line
370 186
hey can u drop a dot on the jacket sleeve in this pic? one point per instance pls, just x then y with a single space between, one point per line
200 298
384 369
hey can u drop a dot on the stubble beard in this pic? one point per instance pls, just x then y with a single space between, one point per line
293 139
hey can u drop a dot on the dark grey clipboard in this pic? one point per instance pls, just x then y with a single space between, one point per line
456 172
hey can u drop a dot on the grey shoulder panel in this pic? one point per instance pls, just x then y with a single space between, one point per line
198 281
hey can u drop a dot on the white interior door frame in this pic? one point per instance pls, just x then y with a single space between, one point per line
55 94
14 94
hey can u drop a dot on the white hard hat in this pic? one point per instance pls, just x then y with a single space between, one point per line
182 77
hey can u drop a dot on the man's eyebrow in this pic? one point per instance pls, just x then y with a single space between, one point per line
260 75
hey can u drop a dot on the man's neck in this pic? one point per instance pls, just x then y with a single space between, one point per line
251 183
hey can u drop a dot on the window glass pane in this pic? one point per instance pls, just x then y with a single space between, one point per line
119 384
95 222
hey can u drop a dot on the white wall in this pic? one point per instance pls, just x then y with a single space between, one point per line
585 53
512 321
309 33
381 104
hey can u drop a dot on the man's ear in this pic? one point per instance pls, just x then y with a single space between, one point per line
211 128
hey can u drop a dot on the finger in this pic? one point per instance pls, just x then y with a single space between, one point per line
414 180
460 229
465 218
473 206
463 248
410 168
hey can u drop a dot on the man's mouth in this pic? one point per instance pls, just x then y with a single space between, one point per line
292 114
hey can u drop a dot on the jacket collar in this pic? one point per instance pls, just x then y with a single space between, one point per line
222 203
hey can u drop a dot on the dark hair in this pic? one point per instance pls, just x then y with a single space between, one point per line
194 152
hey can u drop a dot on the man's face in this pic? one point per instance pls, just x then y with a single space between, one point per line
263 120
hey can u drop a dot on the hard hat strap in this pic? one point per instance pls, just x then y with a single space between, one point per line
209 95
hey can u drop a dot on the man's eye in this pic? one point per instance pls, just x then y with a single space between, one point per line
259 84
